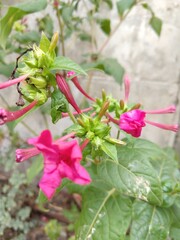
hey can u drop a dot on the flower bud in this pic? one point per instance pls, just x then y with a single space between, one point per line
90 135
53 43
39 81
103 110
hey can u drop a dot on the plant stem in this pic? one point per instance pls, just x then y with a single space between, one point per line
72 116
61 27
113 32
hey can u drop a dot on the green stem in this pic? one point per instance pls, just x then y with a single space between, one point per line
72 116
113 32
61 28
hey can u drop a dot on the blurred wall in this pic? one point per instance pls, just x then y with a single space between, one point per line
152 63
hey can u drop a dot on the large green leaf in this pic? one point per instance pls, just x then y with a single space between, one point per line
110 66
150 222
15 13
105 215
175 227
133 174
134 178
64 63
167 170
6 69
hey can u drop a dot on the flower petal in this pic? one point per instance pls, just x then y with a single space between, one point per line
49 183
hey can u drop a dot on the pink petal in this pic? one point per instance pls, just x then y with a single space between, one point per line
49 183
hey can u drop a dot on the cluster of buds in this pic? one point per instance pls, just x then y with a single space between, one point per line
35 78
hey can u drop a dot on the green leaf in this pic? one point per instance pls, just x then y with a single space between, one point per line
84 36
175 227
105 25
64 63
156 24
124 5
110 150
67 14
35 168
133 174
113 67
109 3
15 13
59 104
150 222
44 43
105 215
110 66
6 69
27 37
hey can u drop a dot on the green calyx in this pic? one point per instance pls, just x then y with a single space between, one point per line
30 93
91 128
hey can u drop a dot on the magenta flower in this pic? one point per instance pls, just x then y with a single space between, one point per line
65 89
13 81
61 160
133 121
7 116
76 83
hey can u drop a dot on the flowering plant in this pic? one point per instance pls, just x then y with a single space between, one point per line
129 186
118 176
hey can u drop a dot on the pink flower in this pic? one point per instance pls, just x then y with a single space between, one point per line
61 160
65 89
7 116
76 83
133 121
13 81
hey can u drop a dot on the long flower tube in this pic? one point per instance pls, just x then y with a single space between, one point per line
76 83
7 116
13 81
65 89
133 121
61 160
126 88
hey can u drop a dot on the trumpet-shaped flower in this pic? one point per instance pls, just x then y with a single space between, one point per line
7 116
13 81
76 83
65 89
61 160
133 121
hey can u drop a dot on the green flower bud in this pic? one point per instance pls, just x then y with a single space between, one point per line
41 96
102 130
30 93
43 59
97 142
39 81
90 135
53 43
